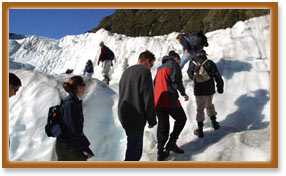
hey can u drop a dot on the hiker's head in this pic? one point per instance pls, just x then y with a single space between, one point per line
75 85
175 56
202 54
101 44
147 59
89 62
14 84
179 37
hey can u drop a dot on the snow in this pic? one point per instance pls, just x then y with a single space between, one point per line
242 54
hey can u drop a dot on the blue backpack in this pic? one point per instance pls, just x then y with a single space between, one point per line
110 54
53 126
196 40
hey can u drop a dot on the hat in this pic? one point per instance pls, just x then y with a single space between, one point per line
101 43
202 52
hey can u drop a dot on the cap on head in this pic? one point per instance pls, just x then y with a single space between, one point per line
101 43
202 52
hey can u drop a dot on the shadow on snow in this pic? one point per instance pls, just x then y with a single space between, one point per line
248 116
227 68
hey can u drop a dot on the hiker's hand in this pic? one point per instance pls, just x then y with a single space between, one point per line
151 126
111 64
186 97
186 51
98 63
89 155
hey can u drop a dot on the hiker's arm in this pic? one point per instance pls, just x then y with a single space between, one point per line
218 79
185 45
178 79
75 126
191 70
147 94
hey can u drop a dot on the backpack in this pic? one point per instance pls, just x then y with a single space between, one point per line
53 126
201 75
110 54
196 40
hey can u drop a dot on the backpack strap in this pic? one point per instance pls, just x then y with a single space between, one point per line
196 63
204 62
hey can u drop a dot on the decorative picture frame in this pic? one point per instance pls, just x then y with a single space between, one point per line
273 6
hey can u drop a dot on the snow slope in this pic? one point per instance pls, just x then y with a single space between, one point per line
242 54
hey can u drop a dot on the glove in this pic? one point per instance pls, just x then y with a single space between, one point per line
87 155
220 91
111 64
98 63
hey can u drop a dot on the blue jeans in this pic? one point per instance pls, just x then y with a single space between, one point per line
134 145
187 57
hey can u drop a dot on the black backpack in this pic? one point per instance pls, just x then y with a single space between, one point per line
196 40
110 54
53 126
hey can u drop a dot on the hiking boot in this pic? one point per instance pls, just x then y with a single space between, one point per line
215 124
173 147
162 155
106 80
199 132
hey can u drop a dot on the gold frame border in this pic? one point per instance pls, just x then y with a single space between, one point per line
273 6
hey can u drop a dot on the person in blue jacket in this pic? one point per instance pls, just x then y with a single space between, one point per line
72 144
88 69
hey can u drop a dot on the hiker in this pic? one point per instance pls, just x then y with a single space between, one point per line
136 104
88 69
167 81
14 84
72 144
191 43
175 56
106 57
205 89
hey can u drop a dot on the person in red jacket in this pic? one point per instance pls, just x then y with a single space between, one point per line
106 62
167 81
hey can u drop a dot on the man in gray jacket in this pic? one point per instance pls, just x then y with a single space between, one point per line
136 104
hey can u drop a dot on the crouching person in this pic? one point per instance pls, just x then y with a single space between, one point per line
204 72
72 144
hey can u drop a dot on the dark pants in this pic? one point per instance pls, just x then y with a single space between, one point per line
134 145
66 152
163 129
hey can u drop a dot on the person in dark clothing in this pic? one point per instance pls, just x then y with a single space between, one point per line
72 144
136 104
189 52
167 81
204 91
14 84
88 69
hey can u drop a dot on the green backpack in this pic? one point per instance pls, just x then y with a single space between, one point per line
201 75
